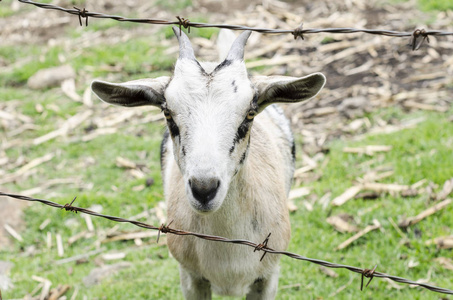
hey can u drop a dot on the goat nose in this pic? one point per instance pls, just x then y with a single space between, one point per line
204 189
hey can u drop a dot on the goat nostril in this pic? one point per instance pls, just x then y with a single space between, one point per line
204 189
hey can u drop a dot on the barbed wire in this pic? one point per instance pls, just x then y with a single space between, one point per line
368 273
415 43
415 36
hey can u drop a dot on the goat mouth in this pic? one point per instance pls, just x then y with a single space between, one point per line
203 209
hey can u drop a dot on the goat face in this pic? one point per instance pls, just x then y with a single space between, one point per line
209 115
210 110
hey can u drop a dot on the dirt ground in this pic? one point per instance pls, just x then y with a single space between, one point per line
10 214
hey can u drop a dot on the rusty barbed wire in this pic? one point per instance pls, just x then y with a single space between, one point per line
415 43
258 247
82 14
368 274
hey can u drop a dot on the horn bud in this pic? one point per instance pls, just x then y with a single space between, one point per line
237 48
185 47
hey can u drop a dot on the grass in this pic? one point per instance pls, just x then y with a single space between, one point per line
441 5
430 5
96 57
418 153
174 5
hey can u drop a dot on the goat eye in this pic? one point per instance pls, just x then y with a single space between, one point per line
167 114
251 114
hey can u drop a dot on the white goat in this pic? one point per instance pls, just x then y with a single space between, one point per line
225 177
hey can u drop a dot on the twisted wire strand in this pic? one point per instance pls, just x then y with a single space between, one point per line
187 24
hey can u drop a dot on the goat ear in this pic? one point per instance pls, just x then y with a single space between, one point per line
132 93
284 89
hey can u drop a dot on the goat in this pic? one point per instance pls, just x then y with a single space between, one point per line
225 177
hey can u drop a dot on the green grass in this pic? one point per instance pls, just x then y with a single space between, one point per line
429 5
6 11
422 152
124 55
174 5
127 55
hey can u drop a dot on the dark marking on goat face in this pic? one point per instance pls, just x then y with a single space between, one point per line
222 65
174 129
232 148
293 150
242 132
244 155
202 71
235 87
162 148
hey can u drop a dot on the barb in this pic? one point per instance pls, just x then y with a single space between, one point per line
262 247
183 22
368 274
82 14
415 35
164 229
69 207
299 31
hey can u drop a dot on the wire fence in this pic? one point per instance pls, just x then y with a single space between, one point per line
368 273
417 37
